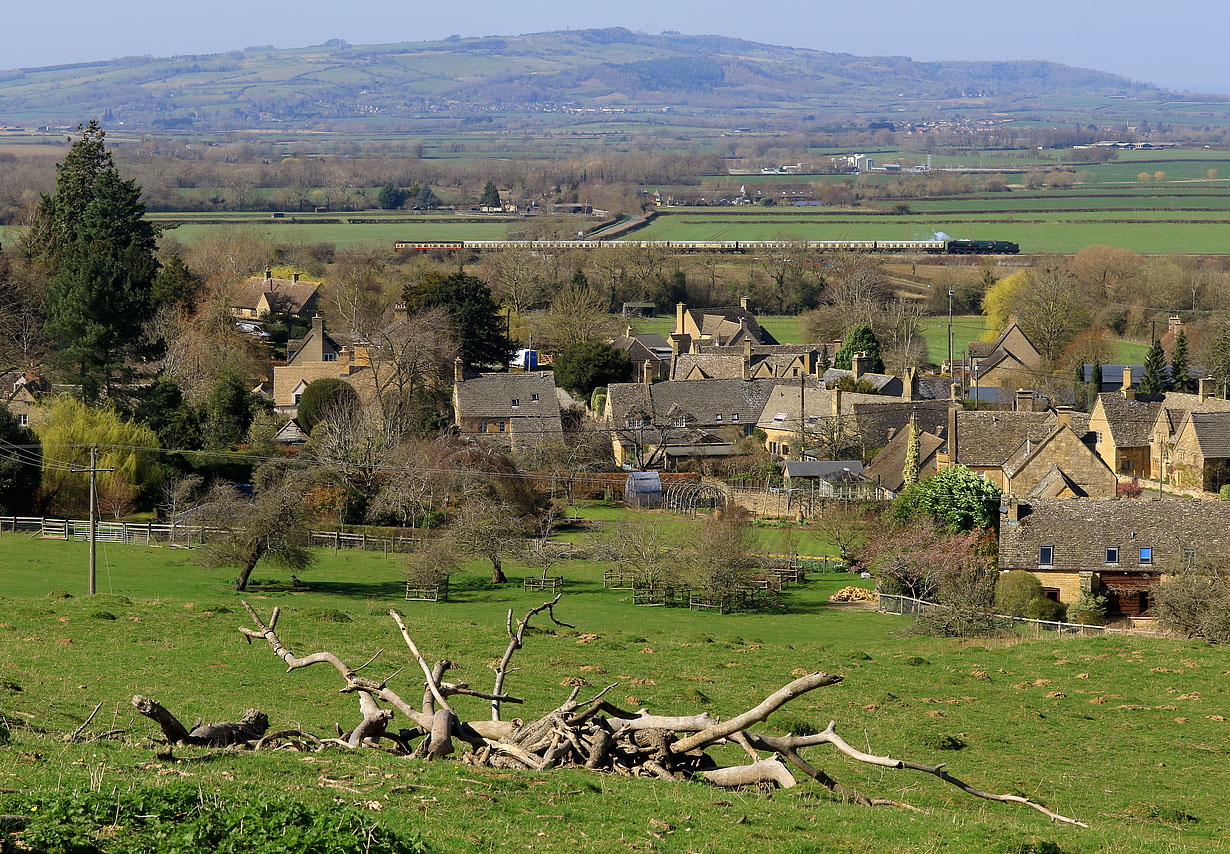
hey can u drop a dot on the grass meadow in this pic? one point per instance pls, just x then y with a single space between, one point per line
1126 734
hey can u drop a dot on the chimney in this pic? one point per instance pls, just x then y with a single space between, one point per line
1064 414
1176 327
1012 509
858 364
268 274
1208 388
1129 393
628 331
836 403
294 277
1024 400
909 384
680 308
647 371
810 362
459 371
745 303
955 394
952 432
318 326
400 312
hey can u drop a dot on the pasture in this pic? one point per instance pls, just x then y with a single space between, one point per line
1126 734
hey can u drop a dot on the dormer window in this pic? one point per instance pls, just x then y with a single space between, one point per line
681 421
516 402
1112 554
328 357
533 397
634 423
1046 556
734 416
717 416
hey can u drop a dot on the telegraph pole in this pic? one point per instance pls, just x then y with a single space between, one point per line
93 470
951 370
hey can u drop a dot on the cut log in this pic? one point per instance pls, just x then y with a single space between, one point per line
765 771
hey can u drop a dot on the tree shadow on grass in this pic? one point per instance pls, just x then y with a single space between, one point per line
394 589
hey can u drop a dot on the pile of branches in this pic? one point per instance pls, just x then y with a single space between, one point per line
589 733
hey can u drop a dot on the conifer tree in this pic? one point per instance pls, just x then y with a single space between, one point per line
1154 380
1179 376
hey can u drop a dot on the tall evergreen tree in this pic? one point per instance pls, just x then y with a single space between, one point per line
1179 376
860 339
20 471
481 331
909 472
491 196
99 248
1154 380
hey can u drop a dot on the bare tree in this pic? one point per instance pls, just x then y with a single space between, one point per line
725 556
488 529
859 290
649 549
900 331
411 485
411 354
356 288
520 278
578 313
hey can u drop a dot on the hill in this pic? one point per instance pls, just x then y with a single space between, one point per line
558 78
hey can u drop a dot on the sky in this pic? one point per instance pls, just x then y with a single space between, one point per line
1178 45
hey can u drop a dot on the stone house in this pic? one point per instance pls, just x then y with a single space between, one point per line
1200 452
1172 414
996 367
984 441
649 353
1117 549
887 469
1062 464
515 409
29 388
722 326
320 355
661 425
260 297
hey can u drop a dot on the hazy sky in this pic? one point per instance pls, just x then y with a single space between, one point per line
1179 45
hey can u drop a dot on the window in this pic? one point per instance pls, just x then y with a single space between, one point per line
328 357
503 425
772 447
516 402
297 396
1189 557
634 423
779 417
534 397
1046 556
734 416
1051 593
681 421
24 420
1146 556
482 426
1112 554
717 417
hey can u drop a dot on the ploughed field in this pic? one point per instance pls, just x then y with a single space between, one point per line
1126 734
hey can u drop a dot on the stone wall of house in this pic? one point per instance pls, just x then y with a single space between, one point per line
1067 583
1078 462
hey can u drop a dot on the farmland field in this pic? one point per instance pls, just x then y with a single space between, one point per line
1126 734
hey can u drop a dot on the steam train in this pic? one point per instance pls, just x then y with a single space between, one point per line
933 247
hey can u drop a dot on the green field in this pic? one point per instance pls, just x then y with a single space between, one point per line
1123 733
361 234
972 327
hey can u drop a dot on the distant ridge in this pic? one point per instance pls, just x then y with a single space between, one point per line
554 78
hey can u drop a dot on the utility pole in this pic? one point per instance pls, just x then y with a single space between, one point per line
951 371
93 470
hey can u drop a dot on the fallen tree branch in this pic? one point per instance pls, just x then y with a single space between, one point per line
516 641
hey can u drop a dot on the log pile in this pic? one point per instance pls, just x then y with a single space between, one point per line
854 594
590 733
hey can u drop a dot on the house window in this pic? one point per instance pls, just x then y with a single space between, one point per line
681 421
734 416
1046 556
328 357
634 423
1112 554
297 397
1146 556
1189 557
779 417
1051 593
24 420
717 417
533 398
772 447
502 424
482 426
785 450
516 402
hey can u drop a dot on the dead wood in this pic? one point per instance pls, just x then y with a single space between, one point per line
515 642
245 731
769 770
77 732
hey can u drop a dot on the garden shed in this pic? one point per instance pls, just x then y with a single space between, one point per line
643 489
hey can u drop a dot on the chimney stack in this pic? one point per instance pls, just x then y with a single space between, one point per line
294 277
858 364
459 371
1176 327
680 308
747 356
955 394
1208 388
909 385
1024 400
268 274
952 432
745 303
647 371
1129 393
1012 508
1064 415
628 331
318 325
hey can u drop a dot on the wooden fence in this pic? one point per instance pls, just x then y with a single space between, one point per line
889 604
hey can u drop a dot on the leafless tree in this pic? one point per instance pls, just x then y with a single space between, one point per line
22 291
649 549
520 278
859 290
411 484
411 353
578 313
356 288
900 332
488 529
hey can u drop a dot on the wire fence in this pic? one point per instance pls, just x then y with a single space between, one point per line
891 604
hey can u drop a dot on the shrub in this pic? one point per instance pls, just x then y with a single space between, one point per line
1041 608
1196 603
103 615
1132 489
1224 495
1089 610
322 395
1015 590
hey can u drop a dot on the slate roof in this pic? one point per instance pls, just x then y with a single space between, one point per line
700 399
830 470
713 366
990 438
724 325
1080 532
888 467
1212 433
1053 484
297 294
1130 421
492 396
877 381
649 345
